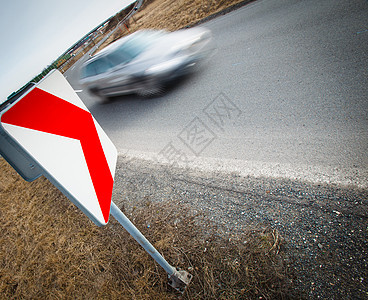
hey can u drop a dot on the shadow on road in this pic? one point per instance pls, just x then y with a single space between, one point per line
127 108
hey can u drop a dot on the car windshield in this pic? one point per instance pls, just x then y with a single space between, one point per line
123 54
133 47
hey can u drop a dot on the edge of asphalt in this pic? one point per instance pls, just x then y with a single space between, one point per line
345 177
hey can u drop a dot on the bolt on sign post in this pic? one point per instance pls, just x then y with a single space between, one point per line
49 131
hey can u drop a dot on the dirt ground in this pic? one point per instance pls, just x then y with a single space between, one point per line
173 15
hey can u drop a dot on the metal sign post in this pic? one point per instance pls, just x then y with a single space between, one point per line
49 131
178 279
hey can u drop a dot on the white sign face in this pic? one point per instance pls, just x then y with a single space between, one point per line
56 129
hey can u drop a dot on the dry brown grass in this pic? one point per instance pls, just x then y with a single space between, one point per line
50 250
175 14
172 15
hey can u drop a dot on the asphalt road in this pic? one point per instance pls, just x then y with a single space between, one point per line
284 96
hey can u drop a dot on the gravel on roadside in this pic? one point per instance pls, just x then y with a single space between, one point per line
325 227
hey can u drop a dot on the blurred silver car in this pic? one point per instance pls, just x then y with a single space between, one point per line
145 61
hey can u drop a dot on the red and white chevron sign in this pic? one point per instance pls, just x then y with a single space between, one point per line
54 126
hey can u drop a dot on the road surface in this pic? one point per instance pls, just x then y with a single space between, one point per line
284 96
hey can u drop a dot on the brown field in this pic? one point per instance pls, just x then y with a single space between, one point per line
50 250
173 15
170 15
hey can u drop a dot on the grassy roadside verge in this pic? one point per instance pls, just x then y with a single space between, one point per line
49 249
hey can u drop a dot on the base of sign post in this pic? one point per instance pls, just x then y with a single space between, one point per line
180 280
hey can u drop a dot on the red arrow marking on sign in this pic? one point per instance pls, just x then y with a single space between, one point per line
42 111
